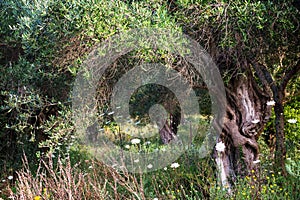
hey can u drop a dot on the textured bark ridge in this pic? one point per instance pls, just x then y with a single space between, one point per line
246 114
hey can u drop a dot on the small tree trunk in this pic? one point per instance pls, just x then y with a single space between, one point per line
167 134
169 128
280 152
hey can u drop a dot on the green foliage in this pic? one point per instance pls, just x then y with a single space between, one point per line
241 29
19 74
18 128
41 29
292 130
59 130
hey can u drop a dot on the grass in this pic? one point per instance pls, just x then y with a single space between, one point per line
79 175
189 177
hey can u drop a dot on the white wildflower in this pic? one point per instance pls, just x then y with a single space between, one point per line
255 121
136 161
149 166
165 168
135 141
292 121
148 142
91 167
256 161
155 198
10 177
127 146
220 147
271 103
175 165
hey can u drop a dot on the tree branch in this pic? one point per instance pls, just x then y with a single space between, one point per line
287 77
264 76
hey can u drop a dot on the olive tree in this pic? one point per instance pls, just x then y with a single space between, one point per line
256 47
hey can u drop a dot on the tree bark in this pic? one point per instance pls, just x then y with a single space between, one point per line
247 112
280 153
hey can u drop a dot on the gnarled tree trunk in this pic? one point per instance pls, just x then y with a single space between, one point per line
247 112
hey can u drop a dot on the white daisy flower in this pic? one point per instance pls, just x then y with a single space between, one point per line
220 146
175 165
292 121
127 146
10 177
271 103
149 166
256 161
135 141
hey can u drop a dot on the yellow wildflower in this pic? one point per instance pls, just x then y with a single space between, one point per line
37 198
